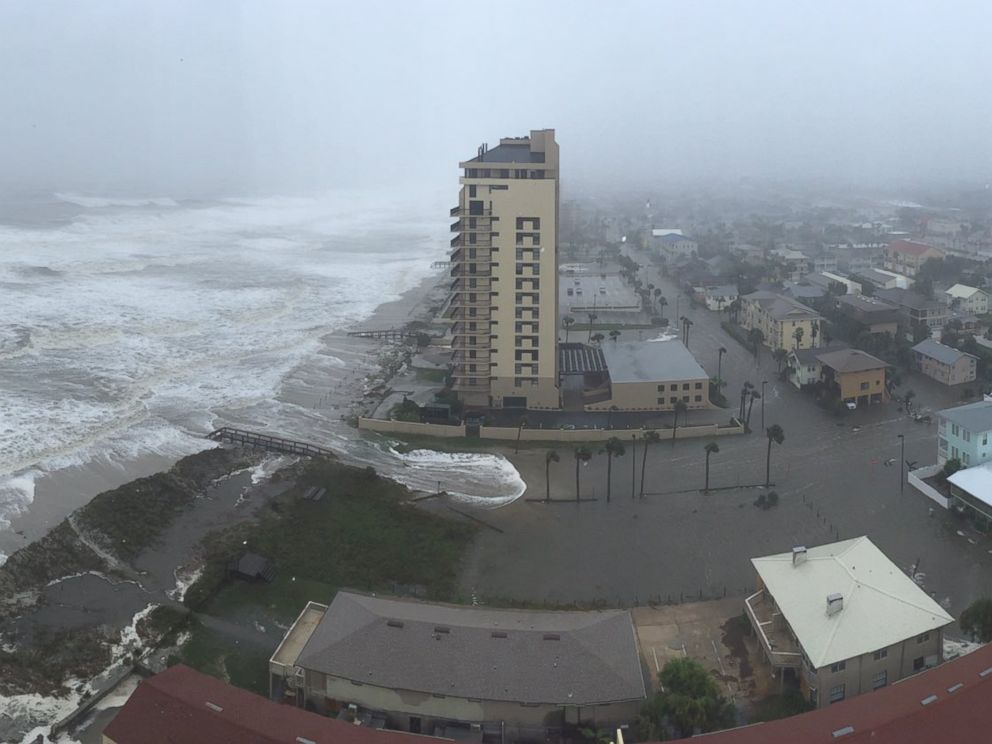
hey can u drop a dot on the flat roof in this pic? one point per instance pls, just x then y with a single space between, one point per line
551 658
975 480
975 417
908 298
577 359
295 639
882 606
516 153
866 304
660 359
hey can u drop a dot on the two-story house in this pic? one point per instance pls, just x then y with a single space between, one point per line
915 309
944 363
785 323
906 256
871 315
963 434
970 299
843 619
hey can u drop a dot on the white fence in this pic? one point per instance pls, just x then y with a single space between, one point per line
916 481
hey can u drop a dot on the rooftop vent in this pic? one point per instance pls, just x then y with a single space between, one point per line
214 707
835 603
985 672
498 634
394 623
955 688
442 629
552 637
928 699
303 740
843 731
798 555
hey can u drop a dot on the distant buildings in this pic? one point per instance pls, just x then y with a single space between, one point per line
652 376
944 363
963 433
673 244
504 300
906 257
969 299
427 666
785 323
717 298
843 619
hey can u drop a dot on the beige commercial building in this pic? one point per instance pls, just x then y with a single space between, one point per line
504 260
515 673
906 257
842 619
779 318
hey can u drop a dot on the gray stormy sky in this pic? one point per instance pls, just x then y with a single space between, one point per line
197 98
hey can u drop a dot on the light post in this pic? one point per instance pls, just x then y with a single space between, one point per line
902 462
763 383
677 298
633 459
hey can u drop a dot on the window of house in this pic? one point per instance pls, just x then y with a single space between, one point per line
966 435
674 387
965 458
954 429
985 438
699 398
685 385
918 664
880 654
836 694
923 638
840 666
699 386
661 401
881 679
672 400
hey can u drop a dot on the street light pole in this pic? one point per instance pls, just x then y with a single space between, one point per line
633 459
902 463
763 383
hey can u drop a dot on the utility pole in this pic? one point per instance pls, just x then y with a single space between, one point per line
902 463
633 459
763 383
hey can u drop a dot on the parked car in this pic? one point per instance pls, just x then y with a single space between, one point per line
851 404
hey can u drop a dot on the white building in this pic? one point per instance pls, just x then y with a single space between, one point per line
969 299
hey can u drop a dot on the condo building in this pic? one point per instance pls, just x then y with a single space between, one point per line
504 269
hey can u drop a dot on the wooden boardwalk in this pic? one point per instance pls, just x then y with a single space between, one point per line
389 334
246 438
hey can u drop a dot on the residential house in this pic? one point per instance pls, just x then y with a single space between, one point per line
948 703
906 256
820 261
873 315
803 367
803 291
651 375
183 705
916 309
425 665
858 258
719 297
674 245
963 433
944 363
881 279
842 620
796 263
779 318
971 491
970 299
854 376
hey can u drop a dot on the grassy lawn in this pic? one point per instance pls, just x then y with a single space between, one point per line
219 656
430 375
361 535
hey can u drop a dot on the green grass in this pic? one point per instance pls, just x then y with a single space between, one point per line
215 654
430 375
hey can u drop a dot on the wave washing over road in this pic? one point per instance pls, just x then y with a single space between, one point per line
131 327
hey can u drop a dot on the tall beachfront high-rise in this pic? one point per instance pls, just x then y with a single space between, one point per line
505 268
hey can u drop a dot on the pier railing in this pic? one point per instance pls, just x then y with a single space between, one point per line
246 438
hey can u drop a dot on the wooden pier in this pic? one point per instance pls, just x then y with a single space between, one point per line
265 441
389 334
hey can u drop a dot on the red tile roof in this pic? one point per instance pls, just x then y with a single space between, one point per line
903 713
182 706
910 248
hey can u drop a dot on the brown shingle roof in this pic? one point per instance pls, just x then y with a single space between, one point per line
850 360
182 706
910 248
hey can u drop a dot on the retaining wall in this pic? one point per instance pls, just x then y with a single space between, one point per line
411 427
916 481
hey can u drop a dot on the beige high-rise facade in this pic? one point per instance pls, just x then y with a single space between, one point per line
505 269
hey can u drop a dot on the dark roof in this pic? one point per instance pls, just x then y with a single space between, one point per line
949 703
940 352
850 360
975 417
908 298
510 154
183 705
808 356
577 359
553 658
867 305
675 238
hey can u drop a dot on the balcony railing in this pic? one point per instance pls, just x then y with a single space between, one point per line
768 624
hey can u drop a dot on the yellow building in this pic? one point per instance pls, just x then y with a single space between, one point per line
505 275
785 323
854 376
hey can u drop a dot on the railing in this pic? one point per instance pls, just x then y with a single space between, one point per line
267 442
791 659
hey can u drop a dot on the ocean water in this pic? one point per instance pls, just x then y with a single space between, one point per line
132 327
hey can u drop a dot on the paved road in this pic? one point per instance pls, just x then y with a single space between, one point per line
832 476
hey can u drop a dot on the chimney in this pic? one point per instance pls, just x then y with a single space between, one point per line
835 603
798 555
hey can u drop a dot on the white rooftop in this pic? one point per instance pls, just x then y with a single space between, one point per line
976 480
962 290
660 232
882 605
656 360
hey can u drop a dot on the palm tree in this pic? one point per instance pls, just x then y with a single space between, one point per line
907 399
662 304
755 336
614 448
650 437
775 434
549 457
719 366
614 335
711 449
814 329
520 429
779 356
798 335
750 405
686 324
658 298
745 390
582 454
592 320
567 322
680 407
597 338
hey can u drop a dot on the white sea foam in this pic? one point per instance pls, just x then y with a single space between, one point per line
482 479
16 495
